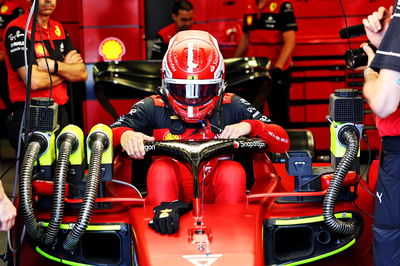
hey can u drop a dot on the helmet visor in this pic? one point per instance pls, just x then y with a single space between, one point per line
192 94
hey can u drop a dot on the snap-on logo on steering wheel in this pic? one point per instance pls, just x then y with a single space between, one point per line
149 148
252 144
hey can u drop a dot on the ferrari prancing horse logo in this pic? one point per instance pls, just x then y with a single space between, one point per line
57 31
202 260
4 9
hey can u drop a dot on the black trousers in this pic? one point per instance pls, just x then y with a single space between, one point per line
278 99
14 121
4 85
387 205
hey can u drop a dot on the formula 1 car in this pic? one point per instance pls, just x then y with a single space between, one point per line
296 212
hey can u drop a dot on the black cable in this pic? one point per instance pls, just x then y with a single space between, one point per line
193 133
353 113
352 70
27 104
47 106
204 124
350 138
48 69
29 80
365 138
361 210
366 170
51 83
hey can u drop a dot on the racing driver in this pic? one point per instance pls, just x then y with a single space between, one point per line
192 105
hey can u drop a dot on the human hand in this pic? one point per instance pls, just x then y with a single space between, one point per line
235 131
42 66
133 143
73 57
376 25
166 216
7 214
370 53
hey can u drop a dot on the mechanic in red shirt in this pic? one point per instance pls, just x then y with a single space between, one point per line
8 12
193 106
269 30
182 15
52 43
382 91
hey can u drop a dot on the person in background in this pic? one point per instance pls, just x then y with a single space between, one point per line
192 105
56 62
8 12
269 30
382 91
7 211
182 15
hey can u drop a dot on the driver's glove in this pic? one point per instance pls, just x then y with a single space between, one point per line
166 216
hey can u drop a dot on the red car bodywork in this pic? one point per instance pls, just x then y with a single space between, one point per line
229 234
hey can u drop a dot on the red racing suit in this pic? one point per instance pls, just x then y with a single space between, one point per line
164 35
225 180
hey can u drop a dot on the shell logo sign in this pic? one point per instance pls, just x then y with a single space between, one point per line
40 50
249 20
112 49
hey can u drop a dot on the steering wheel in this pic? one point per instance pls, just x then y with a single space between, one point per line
195 152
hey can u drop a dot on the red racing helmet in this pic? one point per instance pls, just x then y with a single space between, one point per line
193 75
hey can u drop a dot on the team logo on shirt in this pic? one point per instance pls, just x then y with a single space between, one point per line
249 20
18 34
57 31
4 9
273 6
40 50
